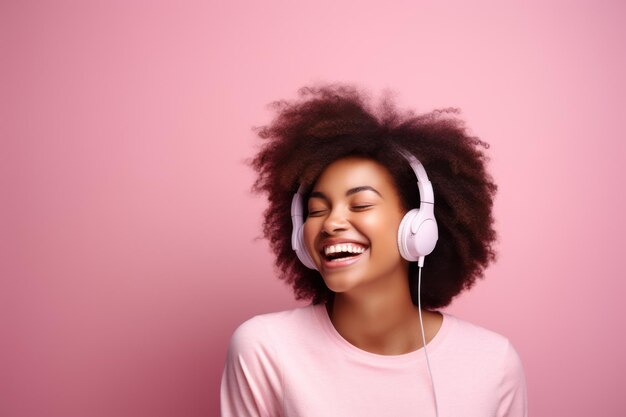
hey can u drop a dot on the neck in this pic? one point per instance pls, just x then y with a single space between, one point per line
387 324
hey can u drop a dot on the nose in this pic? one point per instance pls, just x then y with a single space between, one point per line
335 222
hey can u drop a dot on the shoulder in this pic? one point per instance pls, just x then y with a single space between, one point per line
475 339
490 361
489 350
261 331
252 380
484 347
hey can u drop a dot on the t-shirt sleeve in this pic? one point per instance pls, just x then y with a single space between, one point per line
513 400
251 381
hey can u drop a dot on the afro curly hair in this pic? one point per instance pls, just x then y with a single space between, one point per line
330 122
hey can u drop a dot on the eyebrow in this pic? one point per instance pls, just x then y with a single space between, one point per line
319 194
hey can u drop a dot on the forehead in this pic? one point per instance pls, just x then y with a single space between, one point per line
353 171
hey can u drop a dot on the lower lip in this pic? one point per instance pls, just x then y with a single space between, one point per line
343 263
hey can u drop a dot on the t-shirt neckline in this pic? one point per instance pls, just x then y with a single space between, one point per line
321 313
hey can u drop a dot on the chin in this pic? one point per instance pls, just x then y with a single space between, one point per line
341 283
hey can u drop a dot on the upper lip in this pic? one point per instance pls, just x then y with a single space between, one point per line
337 241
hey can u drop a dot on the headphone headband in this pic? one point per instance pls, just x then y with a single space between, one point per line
423 183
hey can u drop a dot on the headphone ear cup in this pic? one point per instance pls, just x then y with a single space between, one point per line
297 234
417 234
302 253
404 234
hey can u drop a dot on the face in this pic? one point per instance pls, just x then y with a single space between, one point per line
351 230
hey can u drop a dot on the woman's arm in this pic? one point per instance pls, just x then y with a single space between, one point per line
513 401
251 381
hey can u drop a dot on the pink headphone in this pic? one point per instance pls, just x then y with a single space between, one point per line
417 234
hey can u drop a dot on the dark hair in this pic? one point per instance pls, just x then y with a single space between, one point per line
330 122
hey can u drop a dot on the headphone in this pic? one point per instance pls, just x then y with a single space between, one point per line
417 234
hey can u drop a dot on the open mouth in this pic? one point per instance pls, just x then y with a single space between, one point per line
342 251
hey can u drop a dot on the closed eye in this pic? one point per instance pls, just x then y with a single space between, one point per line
362 207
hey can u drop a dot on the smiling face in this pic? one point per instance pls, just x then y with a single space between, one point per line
352 226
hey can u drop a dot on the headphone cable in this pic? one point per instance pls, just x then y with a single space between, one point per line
419 305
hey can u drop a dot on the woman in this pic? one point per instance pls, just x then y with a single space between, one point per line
357 183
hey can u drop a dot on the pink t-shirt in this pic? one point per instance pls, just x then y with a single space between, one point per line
295 364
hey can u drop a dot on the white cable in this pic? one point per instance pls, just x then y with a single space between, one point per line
419 306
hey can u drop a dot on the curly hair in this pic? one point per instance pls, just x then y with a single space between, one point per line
330 122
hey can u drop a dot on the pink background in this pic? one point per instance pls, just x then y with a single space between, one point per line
128 252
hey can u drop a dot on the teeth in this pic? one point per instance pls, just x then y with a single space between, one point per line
344 247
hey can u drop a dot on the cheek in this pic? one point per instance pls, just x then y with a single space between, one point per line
382 231
381 226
